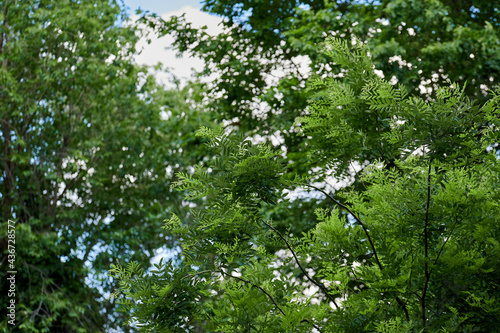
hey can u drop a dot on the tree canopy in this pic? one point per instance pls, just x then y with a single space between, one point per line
420 44
346 186
261 62
84 151
416 250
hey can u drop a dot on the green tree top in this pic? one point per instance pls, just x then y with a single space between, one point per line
417 249
419 43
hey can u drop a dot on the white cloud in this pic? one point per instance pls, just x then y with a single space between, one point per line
157 52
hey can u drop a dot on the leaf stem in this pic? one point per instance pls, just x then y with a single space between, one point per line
258 287
268 295
357 219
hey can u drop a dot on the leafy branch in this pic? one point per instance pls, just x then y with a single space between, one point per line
381 267
267 294
318 284
356 218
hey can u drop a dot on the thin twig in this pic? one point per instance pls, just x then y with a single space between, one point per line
268 295
426 248
357 219
196 273
313 325
258 287
318 284
398 299
445 242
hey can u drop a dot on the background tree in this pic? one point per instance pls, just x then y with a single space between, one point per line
416 250
418 42
269 49
87 157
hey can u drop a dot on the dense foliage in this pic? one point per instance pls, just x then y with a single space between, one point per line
260 63
83 152
260 56
406 238
414 248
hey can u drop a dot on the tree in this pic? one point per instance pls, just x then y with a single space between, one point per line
416 250
85 155
259 59
268 50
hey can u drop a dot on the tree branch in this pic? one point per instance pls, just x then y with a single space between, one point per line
381 267
357 219
9 167
442 246
268 295
318 284
258 287
426 248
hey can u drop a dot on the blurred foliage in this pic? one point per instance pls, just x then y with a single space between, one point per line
268 49
89 145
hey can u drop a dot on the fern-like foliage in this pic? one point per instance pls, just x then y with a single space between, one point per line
362 117
165 300
416 249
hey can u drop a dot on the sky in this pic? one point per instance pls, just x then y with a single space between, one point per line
160 6
157 51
